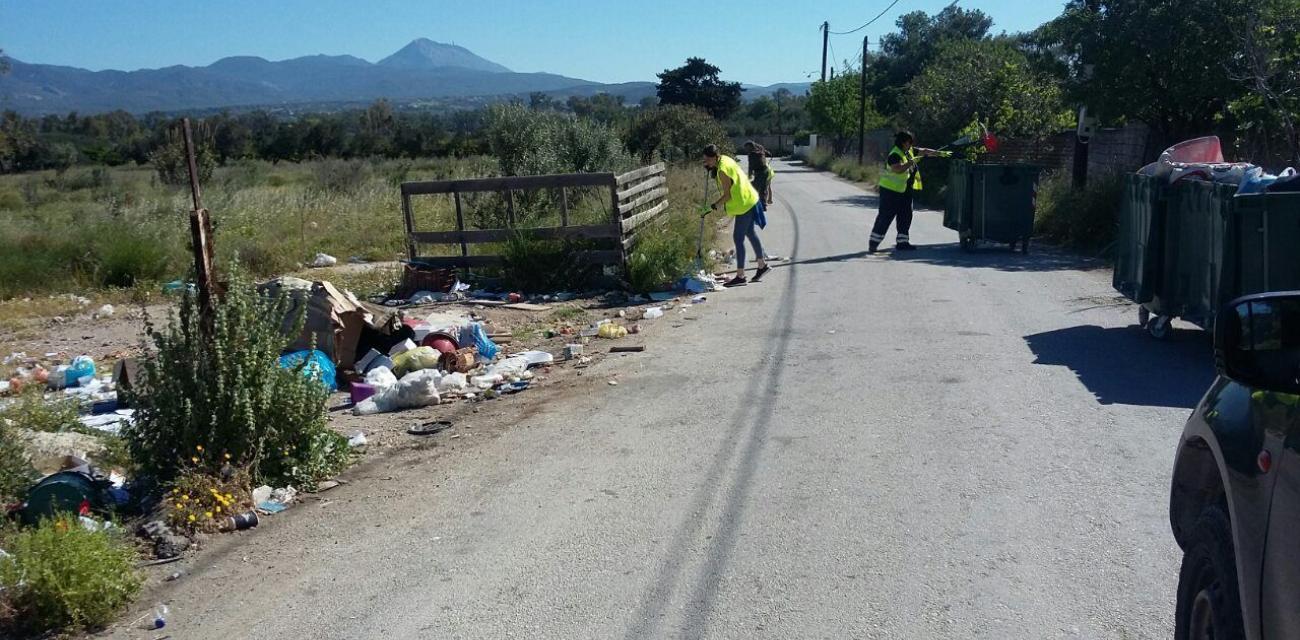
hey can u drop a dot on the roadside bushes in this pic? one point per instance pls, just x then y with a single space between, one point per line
1084 219
528 142
535 265
221 403
674 133
844 166
60 575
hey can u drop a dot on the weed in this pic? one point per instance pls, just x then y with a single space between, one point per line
61 576
1080 219
200 501
533 265
16 472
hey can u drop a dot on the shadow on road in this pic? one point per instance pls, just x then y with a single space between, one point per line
1123 365
865 200
843 257
1000 258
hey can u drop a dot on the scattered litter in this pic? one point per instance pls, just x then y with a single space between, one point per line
612 331
613 383
110 423
636 349
241 522
324 260
358 439
536 358
653 313
697 300
663 296
424 297
17 357
418 389
176 575
105 311
572 351
314 365
453 383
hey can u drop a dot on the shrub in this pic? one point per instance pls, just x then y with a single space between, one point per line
659 259
198 501
341 176
33 412
172 164
16 472
527 142
844 166
62 576
533 265
227 393
1079 219
674 133
127 257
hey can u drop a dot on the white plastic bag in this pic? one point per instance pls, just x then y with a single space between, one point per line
380 377
418 389
654 312
453 383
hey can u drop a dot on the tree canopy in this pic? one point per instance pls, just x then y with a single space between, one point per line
697 84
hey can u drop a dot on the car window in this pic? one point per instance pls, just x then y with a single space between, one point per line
1271 325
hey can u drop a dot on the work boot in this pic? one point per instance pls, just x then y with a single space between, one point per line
873 247
905 246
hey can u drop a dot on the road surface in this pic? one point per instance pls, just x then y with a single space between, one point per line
934 445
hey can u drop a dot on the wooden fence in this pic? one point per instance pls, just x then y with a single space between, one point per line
636 198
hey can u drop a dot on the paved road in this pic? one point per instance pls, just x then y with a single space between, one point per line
940 445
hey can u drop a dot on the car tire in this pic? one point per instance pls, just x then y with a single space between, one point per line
1209 603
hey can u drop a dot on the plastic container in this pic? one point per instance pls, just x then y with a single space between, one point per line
81 367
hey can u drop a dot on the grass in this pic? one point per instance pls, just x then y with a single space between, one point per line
99 229
1084 219
845 167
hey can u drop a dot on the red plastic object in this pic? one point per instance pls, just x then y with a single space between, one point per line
441 342
515 298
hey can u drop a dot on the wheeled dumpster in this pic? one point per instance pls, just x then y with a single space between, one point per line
1186 250
992 203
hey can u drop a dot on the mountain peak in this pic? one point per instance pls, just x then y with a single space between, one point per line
423 53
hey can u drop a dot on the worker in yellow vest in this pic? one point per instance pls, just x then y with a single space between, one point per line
899 182
740 200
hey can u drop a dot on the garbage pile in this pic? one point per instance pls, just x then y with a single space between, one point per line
1201 159
77 379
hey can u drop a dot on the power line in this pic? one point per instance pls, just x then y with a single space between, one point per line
869 22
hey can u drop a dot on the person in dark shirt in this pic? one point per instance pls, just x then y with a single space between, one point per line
900 181
760 172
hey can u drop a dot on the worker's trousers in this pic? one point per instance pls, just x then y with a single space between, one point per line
893 205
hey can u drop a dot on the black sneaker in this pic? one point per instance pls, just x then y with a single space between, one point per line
734 282
873 247
761 272
905 246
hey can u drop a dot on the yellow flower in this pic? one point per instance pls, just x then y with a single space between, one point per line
229 497
227 456
199 448
186 497
191 518
180 506
218 509
194 459
208 514
175 491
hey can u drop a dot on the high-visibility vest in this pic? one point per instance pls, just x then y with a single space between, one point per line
743 195
897 182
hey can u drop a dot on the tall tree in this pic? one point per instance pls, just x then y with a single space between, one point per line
1268 34
905 53
988 79
1157 62
697 84
834 107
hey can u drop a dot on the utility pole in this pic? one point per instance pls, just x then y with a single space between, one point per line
776 97
826 38
862 105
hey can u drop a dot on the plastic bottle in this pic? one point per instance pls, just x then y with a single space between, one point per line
158 619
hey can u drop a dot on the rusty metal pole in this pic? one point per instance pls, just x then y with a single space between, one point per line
200 235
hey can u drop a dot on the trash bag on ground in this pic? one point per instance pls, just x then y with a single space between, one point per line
417 359
417 389
319 367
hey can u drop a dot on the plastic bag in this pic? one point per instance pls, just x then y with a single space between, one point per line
453 383
612 331
380 377
419 389
318 367
81 367
416 359
474 333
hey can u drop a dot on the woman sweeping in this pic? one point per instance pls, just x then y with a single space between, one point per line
741 201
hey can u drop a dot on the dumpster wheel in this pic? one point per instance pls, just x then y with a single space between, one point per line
967 243
1144 317
1159 327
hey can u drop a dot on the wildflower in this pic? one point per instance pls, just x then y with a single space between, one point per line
218 509
194 459
191 518
199 448
227 456
180 506
208 514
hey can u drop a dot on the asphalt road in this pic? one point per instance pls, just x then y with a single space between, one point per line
937 445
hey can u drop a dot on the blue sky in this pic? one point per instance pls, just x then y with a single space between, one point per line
754 42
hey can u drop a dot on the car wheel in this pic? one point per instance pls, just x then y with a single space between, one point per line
1209 604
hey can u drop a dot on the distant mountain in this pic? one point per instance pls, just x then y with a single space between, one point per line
426 54
421 71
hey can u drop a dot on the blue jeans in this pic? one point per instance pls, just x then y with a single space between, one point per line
745 229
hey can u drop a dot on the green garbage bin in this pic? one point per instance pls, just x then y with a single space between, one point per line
1139 245
957 210
1003 197
1266 230
1197 257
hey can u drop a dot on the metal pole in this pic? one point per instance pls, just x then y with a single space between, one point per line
862 105
826 37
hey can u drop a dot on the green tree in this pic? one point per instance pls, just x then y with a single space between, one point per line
1156 62
905 54
1268 34
674 133
697 84
987 78
834 108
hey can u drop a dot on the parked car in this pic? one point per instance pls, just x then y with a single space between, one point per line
1235 500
